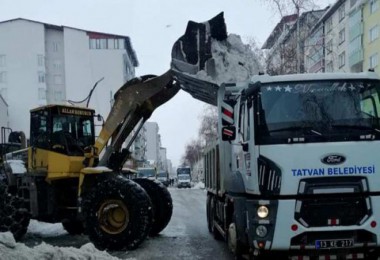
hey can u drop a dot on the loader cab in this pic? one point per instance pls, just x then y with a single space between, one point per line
62 129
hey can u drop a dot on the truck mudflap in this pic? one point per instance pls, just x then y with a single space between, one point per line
135 101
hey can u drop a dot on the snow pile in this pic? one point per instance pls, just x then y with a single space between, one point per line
199 185
11 250
234 61
17 166
43 229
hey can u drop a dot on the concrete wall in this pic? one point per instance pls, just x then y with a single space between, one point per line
21 43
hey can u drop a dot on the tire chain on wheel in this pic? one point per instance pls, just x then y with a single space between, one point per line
162 203
14 217
138 204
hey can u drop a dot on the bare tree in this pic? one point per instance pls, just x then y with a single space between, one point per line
287 54
193 151
287 7
208 130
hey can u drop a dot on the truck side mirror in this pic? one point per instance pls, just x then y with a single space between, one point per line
228 133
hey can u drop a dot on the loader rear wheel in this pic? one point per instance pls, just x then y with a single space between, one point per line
118 214
161 201
73 226
14 216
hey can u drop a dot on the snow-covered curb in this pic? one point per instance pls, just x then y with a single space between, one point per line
10 249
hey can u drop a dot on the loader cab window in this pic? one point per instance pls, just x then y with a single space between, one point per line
71 134
39 134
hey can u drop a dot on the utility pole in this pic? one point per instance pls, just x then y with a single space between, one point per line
298 39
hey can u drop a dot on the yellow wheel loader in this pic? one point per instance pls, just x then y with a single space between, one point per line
61 176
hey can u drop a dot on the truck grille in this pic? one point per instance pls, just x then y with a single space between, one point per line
269 177
332 202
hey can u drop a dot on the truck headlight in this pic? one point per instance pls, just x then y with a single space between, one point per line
263 212
261 231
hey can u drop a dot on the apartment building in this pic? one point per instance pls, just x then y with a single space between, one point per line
346 38
371 40
327 44
3 113
287 51
43 64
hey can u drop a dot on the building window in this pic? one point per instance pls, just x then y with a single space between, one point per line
103 43
55 46
329 46
3 77
328 25
342 59
342 12
373 33
58 95
121 44
373 6
329 67
57 65
58 79
41 93
110 43
116 44
92 43
97 43
342 36
3 60
373 61
353 2
41 77
40 60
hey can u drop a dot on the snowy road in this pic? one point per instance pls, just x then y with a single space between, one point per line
186 236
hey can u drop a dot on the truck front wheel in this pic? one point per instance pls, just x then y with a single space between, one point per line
162 204
118 214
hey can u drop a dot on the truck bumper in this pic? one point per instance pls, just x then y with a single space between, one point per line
286 231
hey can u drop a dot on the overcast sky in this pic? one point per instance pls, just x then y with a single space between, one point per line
153 26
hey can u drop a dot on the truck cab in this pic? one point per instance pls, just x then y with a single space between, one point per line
183 177
296 165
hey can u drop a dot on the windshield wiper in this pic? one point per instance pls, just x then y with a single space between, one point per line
304 129
356 127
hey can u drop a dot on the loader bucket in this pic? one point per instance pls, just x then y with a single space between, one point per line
191 53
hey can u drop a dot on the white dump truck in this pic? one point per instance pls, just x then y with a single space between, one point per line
294 171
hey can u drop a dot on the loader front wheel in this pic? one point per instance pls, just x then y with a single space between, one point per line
118 214
14 216
161 201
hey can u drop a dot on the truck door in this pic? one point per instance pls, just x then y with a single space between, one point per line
242 139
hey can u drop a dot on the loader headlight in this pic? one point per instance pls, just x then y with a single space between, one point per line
262 211
261 231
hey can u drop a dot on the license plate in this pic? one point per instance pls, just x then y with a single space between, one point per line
334 243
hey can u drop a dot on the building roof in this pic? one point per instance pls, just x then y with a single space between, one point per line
330 11
276 33
129 47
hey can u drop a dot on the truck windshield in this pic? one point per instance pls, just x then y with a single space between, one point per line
146 173
162 175
185 170
318 111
